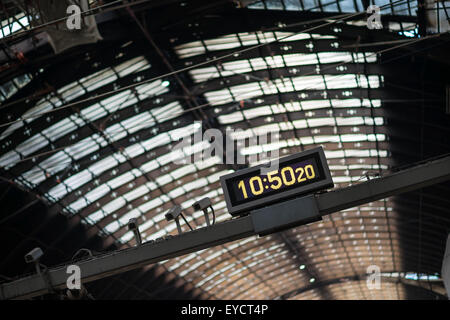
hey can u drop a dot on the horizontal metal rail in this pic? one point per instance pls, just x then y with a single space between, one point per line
283 217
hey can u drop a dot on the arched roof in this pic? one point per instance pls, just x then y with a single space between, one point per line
101 158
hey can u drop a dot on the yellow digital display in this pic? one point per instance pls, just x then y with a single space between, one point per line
275 181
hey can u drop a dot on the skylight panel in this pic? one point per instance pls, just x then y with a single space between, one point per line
104 164
42 106
115 132
114 205
256 64
156 141
337 154
93 112
364 57
314 104
146 225
342 81
169 111
371 81
150 205
33 144
97 193
274 62
112 227
365 153
260 148
157 235
22 80
8 89
285 126
127 237
234 41
308 82
78 121
136 193
208 162
138 122
117 101
176 192
342 179
151 89
134 150
162 180
85 146
293 36
95 217
190 49
150 166
182 261
59 129
257 112
346 103
8 159
57 162
74 181
332 57
203 74
130 215
239 67
276 86
11 129
215 177
78 205
196 184
322 36
177 134
218 97
298 59
132 66
190 149
169 157
71 91
98 79
191 268
248 39
78 179
349 121
223 42
248 90
123 178
8 28
178 173
34 176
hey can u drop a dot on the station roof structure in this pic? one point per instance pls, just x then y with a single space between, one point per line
88 137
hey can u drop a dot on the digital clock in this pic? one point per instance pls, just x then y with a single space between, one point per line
297 174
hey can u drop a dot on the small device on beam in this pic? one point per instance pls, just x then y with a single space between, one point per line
133 226
34 256
296 175
203 205
173 214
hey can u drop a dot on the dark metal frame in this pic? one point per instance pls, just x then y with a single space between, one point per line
324 183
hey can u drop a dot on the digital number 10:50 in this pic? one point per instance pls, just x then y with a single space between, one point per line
287 178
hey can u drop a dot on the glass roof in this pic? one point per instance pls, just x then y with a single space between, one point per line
112 160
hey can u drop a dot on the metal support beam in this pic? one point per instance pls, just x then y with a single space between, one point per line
113 263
